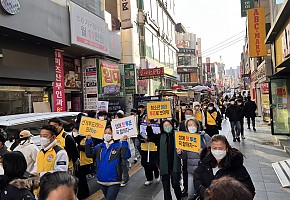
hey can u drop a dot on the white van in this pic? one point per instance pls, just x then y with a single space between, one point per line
11 125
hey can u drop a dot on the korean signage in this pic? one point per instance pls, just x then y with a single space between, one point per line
58 85
92 127
265 88
126 21
103 106
110 78
189 51
286 41
124 126
182 44
245 5
150 73
187 141
159 110
130 84
257 32
208 64
199 47
88 30
90 84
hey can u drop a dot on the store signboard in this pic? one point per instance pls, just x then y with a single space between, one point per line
286 41
88 30
90 84
208 64
257 32
58 84
126 20
265 88
245 5
110 78
150 73
130 84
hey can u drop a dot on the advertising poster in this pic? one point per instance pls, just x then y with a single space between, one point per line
159 110
110 78
92 127
102 106
187 141
58 85
90 84
124 126
130 84
72 73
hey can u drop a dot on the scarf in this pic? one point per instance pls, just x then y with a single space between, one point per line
168 155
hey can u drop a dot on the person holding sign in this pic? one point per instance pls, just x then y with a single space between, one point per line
109 156
169 161
220 160
192 158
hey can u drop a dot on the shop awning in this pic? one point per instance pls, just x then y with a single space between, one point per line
284 72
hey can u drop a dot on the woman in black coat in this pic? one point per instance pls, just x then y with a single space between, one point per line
220 160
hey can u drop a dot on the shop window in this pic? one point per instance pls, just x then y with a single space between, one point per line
149 43
94 6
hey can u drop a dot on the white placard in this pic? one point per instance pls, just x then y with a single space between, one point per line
124 126
155 127
103 106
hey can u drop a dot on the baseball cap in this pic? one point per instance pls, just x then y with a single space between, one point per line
121 112
25 134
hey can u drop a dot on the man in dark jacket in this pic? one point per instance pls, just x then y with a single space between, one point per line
235 114
250 112
240 103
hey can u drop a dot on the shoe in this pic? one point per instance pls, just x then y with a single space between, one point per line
243 137
135 160
158 179
238 138
123 184
234 140
254 129
148 183
249 128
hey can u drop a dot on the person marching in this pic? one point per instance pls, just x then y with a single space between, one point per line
213 120
66 141
109 155
221 106
192 158
235 114
198 114
51 157
250 112
240 103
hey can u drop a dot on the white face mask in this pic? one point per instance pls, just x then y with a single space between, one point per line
219 154
101 118
210 108
188 116
192 129
44 142
75 133
108 137
232 102
239 104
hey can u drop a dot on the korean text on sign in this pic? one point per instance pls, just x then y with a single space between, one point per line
187 141
93 127
124 126
159 110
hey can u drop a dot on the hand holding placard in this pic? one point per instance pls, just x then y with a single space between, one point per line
188 141
124 127
93 127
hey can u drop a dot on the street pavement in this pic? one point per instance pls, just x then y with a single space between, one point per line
260 149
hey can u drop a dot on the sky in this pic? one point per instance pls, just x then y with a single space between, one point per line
214 21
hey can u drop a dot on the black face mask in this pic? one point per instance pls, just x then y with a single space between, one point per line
139 112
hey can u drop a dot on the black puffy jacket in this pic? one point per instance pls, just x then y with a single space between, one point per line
234 113
231 165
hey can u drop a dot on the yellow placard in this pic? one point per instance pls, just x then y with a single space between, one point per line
187 141
257 32
93 127
159 110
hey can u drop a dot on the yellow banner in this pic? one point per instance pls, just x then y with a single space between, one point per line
257 32
265 99
159 110
93 127
187 141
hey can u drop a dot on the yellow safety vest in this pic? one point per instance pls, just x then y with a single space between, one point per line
144 146
60 141
198 115
84 160
211 118
221 104
46 160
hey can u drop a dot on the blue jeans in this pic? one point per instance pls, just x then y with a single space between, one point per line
236 128
191 189
110 192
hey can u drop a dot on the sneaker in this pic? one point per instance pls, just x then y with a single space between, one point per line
148 183
254 129
234 140
243 137
123 184
238 138
158 179
135 160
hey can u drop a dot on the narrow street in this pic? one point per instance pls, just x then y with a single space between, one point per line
260 149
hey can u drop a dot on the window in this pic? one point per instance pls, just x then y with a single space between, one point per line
94 6
180 60
184 78
154 10
160 17
162 52
147 7
149 43
167 57
184 60
156 50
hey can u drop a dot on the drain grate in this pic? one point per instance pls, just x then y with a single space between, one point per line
282 170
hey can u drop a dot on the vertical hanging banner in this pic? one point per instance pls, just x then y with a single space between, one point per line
257 32
110 81
126 20
130 84
246 5
208 64
58 85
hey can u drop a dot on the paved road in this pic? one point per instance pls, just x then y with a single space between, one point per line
260 149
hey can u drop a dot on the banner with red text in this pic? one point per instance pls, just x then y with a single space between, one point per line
110 78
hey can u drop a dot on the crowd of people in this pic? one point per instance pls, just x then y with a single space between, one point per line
59 170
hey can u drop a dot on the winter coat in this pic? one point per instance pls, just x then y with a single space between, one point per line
18 188
231 165
234 113
218 119
194 158
30 152
250 109
108 160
